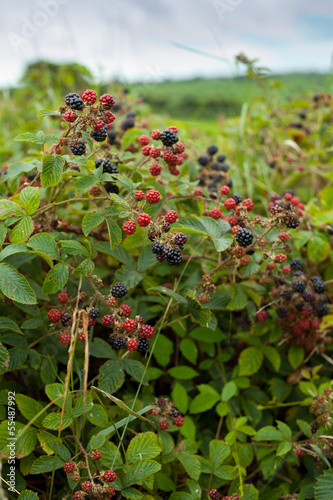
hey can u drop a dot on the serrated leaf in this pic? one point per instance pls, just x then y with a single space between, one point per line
56 279
22 230
295 356
46 464
84 269
73 247
199 314
90 221
30 199
9 209
28 495
44 243
144 445
85 182
29 408
28 137
238 299
4 359
250 361
14 286
269 433
218 452
170 293
191 464
146 259
52 421
139 471
56 394
128 276
52 170
114 233
273 356
111 377
223 242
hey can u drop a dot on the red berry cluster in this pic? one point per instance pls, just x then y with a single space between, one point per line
215 495
166 412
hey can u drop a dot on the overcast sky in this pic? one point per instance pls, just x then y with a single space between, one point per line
144 39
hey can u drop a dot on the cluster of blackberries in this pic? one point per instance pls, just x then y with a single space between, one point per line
167 411
168 138
303 305
108 168
215 495
244 237
288 209
171 249
213 171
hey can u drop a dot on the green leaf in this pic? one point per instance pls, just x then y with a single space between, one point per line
56 394
131 493
223 242
324 486
191 464
180 397
46 464
90 221
250 492
269 433
52 170
118 253
4 359
29 408
85 182
144 445
195 489
14 286
206 335
135 369
181 495
22 230
44 243
9 209
295 356
198 313
30 199
56 279
283 448
318 248
8 324
204 401
128 276
189 350
98 416
238 299
273 356
218 452
170 293
230 390
52 421
226 472
183 372
84 269
29 137
28 495
3 233
114 233
111 377
101 349
139 471
74 248
163 350
146 259
250 361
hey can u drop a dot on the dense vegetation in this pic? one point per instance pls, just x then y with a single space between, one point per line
165 325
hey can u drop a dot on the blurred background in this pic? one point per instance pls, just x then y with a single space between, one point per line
177 55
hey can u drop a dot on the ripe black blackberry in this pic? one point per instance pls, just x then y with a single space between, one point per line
78 148
296 264
324 297
299 306
229 183
287 295
299 286
66 319
157 248
224 167
112 135
282 312
181 239
174 257
212 150
108 167
203 160
293 223
271 164
308 295
221 158
119 290
318 284
110 187
74 101
174 412
218 177
298 273
127 123
237 197
94 313
322 309
166 227
99 135
117 342
169 138
131 114
289 191
215 166
314 427
244 237
143 345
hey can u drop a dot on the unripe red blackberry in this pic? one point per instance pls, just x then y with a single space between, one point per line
261 316
155 134
146 150
245 261
229 203
92 322
233 221
198 192
109 117
215 213
65 338
112 302
155 169
179 421
107 100
69 467
270 266
171 216
86 486
214 495
77 495
62 298
70 117
97 455
139 195
225 190
89 96
95 191
127 310
286 269
129 227
163 424
154 152
144 140
54 315
98 125
280 258
132 345
284 236
235 229
82 336
130 325
108 320
170 158
239 252
109 476
248 204
180 147
146 331
143 220
153 196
